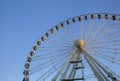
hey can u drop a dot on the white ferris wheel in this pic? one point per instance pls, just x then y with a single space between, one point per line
82 48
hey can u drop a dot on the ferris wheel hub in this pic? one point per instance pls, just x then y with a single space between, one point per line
79 43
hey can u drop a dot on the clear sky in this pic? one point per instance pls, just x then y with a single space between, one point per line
22 22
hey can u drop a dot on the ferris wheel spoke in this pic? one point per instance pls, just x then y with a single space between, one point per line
98 28
58 42
51 53
81 29
90 26
51 70
103 42
106 48
52 56
73 30
112 44
55 56
107 55
74 33
110 57
53 48
105 33
47 73
111 60
48 63
68 34
112 52
110 37
62 38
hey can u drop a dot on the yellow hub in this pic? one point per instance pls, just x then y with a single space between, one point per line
79 43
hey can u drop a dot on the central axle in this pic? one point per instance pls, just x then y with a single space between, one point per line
79 43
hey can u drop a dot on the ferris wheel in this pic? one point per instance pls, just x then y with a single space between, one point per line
82 48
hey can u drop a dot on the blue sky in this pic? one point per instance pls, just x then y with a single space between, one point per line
22 22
